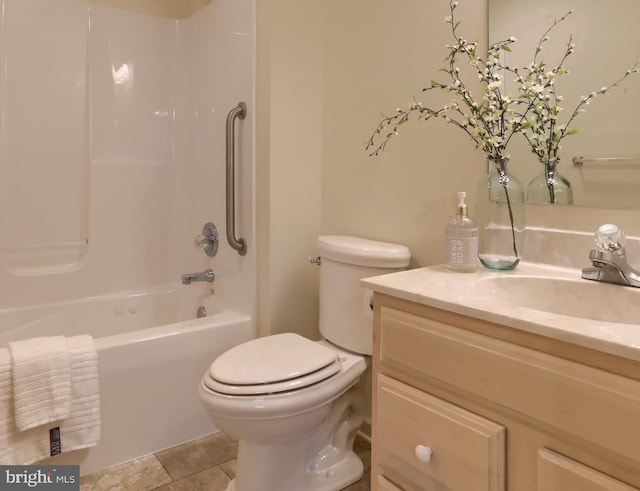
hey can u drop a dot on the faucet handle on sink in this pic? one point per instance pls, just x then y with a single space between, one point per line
610 238
610 261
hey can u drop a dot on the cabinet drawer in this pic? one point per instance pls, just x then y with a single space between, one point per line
468 451
599 406
386 485
559 473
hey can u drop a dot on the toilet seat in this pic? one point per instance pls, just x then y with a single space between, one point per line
272 364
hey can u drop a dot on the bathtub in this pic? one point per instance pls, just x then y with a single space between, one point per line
152 351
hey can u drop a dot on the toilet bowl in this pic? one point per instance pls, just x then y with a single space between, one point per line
291 423
294 404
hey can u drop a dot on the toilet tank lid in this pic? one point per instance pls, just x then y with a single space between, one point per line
363 252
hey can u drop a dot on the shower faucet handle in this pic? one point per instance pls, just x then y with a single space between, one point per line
208 239
200 241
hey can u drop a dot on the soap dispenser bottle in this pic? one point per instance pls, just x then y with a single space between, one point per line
461 239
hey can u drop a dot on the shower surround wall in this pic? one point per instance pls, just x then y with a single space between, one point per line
112 148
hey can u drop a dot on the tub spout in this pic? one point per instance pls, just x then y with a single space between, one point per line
207 275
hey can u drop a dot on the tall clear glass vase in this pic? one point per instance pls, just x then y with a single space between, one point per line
550 187
501 218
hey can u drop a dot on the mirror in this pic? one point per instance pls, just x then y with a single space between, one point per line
606 45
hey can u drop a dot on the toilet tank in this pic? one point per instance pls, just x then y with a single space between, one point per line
346 315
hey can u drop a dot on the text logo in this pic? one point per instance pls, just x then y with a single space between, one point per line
40 477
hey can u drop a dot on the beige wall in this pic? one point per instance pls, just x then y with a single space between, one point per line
325 71
289 162
379 53
172 9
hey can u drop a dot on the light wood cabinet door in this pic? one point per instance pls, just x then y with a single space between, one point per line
433 445
559 473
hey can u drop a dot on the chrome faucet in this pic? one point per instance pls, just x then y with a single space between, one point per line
610 260
207 275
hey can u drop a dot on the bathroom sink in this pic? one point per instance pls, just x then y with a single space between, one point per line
570 297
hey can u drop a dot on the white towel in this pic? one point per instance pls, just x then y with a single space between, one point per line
41 380
80 430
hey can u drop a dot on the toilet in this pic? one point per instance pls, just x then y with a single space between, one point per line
293 404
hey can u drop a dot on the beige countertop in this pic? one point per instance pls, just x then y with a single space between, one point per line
570 308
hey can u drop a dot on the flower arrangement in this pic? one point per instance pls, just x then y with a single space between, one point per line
492 119
489 119
493 116
543 129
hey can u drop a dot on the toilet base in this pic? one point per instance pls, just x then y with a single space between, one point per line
337 477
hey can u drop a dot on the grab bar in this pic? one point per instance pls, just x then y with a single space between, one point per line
240 245
580 160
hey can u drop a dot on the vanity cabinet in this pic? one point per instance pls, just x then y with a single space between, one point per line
462 404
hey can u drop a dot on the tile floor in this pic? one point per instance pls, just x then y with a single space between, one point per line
204 464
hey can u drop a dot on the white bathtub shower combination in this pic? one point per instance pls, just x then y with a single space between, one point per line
113 159
152 351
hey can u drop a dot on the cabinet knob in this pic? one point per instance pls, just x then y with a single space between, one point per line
424 453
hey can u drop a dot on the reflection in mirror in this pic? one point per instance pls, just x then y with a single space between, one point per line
606 46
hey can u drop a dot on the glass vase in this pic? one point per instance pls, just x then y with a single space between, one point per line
501 218
550 187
